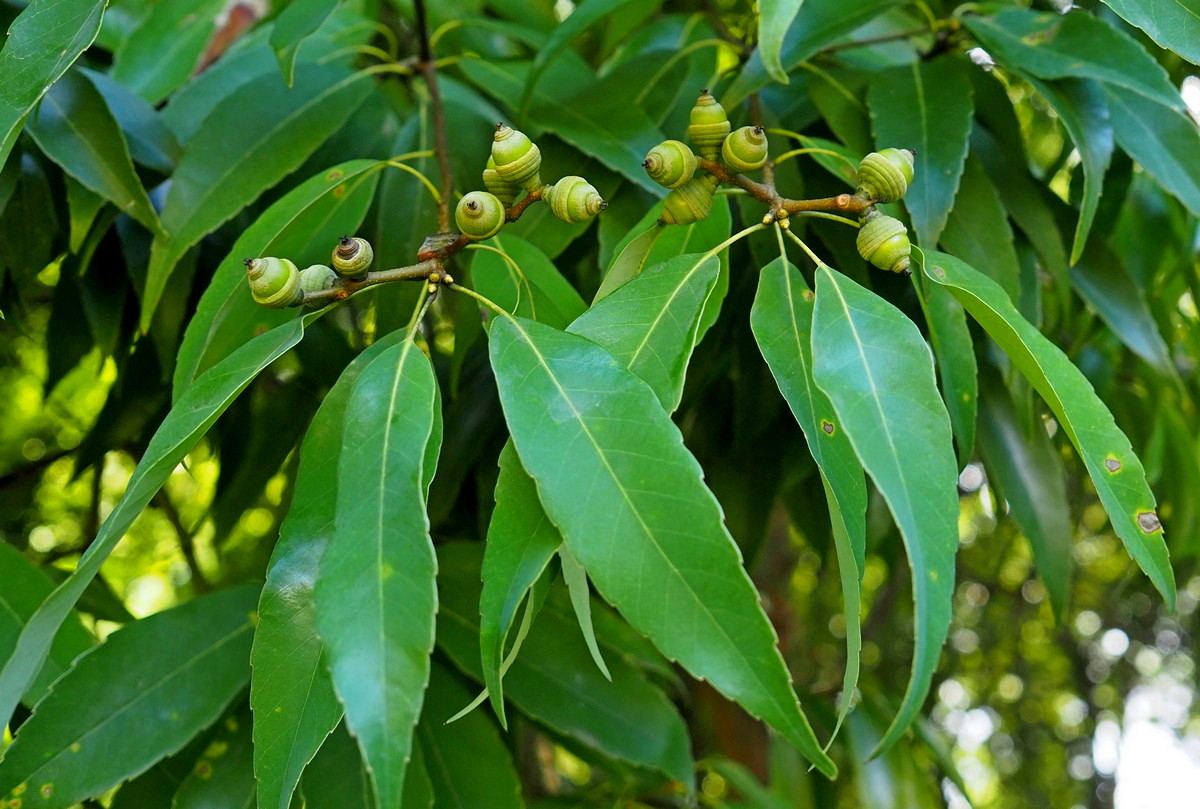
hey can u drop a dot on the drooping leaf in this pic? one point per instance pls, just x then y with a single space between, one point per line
75 129
1173 24
291 692
295 23
228 164
927 108
782 322
530 285
581 602
1029 475
45 39
303 225
977 229
872 363
375 593
1078 45
631 256
1114 468
775 17
958 371
1163 141
554 682
153 71
223 777
187 422
151 142
136 698
468 764
586 429
25 587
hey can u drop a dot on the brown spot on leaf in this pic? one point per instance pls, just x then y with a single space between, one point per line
335 174
1112 464
939 272
827 426
808 295
1148 522
204 769
47 790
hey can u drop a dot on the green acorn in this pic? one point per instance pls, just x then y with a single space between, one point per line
883 241
352 258
884 175
274 282
670 163
573 199
708 125
745 149
479 215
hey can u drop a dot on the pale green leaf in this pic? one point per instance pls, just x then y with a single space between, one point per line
775 17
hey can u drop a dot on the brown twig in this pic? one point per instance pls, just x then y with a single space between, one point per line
187 543
780 206
429 72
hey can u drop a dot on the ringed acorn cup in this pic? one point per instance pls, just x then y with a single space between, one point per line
352 258
479 215
745 149
274 282
708 125
573 199
670 164
517 158
690 202
884 175
317 278
503 190
883 241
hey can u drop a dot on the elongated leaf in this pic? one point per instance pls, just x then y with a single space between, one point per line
521 541
1078 45
582 17
782 322
75 129
1173 24
468 764
533 287
651 324
25 587
630 259
554 681
955 355
294 24
927 108
291 692
581 602
649 533
1114 468
45 39
977 229
1163 141
151 142
304 225
223 778
228 164
872 363
1029 475
774 19
336 779
1082 109
137 698
375 594
187 422
820 23
163 51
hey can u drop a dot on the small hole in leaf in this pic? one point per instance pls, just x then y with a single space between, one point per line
1112 464
1148 522
827 426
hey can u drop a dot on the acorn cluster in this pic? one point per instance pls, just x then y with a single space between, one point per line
277 283
883 240
513 167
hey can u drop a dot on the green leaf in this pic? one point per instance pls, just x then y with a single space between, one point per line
151 143
165 49
75 129
294 24
468 763
223 777
582 16
188 421
631 255
775 17
1173 24
614 476
955 355
1163 141
291 692
581 602
1077 45
521 541
375 593
530 285
137 697
336 779
228 164
872 363
554 681
651 324
1114 468
45 39
1027 472
977 229
1082 109
25 587
819 24
927 108
303 225
781 319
